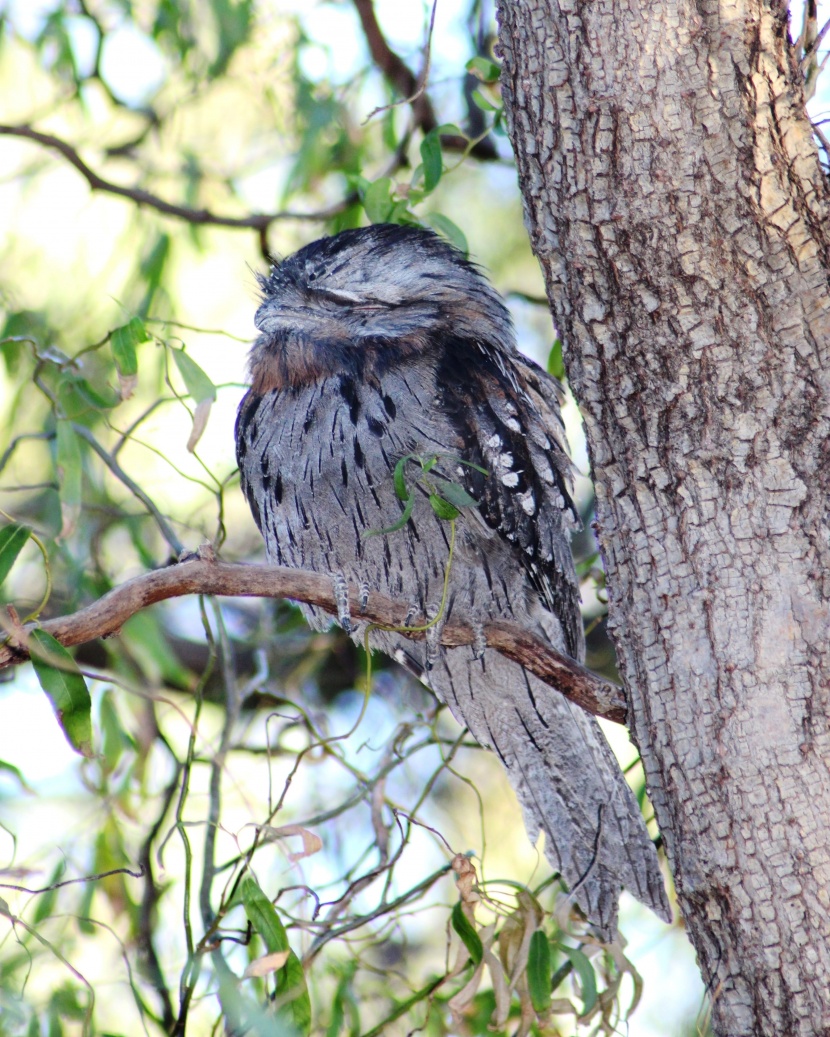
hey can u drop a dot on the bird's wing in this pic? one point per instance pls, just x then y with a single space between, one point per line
506 410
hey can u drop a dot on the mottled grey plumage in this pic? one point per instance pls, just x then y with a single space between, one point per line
383 342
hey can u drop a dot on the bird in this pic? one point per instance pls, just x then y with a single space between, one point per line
391 422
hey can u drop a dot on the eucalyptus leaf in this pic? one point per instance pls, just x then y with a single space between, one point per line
432 160
13 538
66 689
442 508
466 931
199 386
124 343
539 972
587 977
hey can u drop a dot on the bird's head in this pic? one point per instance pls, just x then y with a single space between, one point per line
385 282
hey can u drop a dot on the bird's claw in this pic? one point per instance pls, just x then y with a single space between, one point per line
479 641
363 597
432 638
341 599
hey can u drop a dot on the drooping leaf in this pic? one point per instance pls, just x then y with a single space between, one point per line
263 915
292 991
401 491
455 494
124 342
45 903
556 366
467 933
449 230
442 508
377 200
587 977
66 689
480 101
432 160
13 538
539 972
485 70
200 420
402 521
199 386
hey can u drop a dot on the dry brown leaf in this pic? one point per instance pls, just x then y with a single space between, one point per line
126 385
265 965
200 420
312 843
465 878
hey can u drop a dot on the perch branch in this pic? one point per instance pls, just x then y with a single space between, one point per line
202 575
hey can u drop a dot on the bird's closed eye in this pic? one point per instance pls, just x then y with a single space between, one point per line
347 299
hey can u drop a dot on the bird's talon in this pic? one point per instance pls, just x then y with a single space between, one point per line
341 598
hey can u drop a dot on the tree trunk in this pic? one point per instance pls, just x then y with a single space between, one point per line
675 200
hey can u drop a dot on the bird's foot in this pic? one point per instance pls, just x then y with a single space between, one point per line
479 641
411 613
432 637
341 598
363 597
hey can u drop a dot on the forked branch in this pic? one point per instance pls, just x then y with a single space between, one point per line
203 575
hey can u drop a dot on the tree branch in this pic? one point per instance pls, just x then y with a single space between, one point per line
203 575
402 79
204 217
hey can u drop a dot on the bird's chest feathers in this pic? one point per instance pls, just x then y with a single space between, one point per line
297 361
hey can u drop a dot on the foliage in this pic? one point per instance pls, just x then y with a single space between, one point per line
228 851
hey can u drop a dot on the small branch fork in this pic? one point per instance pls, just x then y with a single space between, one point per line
203 575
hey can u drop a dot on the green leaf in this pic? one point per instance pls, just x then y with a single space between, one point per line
16 773
485 70
480 101
198 385
449 230
69 465
442 508
539 972
86 396
455 494
124 342
292 986
466 931
12 540
556 366
402 521
377 200
263 915
66 689
587 977
401 491
45 904
432 160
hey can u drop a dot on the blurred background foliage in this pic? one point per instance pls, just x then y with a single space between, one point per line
154 155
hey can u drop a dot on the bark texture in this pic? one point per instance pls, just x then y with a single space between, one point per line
675 200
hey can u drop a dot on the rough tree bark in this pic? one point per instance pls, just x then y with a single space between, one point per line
676 202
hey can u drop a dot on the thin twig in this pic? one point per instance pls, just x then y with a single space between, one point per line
202 217
201 575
